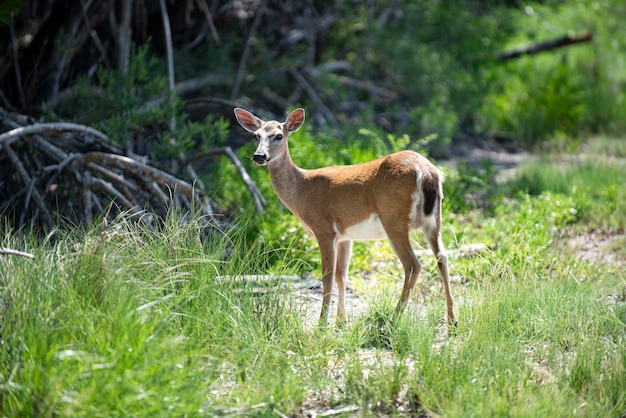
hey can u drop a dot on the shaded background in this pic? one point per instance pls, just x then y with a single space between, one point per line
160 79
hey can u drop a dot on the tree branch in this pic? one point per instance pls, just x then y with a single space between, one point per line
147 173
257 196
7 138
209 19
170 55
9 251
94 35
27 181
16 64
312 93
538 47
246 52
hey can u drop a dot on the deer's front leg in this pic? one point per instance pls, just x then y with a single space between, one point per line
344 252
328 251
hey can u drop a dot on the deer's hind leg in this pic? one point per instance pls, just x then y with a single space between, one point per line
433 235
398 234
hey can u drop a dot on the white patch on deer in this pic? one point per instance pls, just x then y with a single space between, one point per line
415 217
369 229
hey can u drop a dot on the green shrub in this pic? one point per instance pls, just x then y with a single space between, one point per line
570 91
468 187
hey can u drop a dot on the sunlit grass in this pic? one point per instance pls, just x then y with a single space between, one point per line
595 183
605 146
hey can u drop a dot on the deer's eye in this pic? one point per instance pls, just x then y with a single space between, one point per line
278 137
256 137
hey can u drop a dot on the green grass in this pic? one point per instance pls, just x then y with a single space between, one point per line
124 320
594 184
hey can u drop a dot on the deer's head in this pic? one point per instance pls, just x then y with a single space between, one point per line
270 136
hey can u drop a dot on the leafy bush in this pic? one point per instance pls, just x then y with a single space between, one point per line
570 91
426 51
442 57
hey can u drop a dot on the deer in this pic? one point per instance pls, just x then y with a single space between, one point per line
384 198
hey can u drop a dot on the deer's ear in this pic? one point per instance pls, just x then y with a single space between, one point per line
247 120
295 120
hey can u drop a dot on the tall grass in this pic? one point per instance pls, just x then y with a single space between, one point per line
121 321
125 320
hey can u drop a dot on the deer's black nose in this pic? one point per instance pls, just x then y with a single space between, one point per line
259 158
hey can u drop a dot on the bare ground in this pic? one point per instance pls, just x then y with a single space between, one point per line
596 247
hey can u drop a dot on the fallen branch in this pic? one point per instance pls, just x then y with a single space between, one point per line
47 217
538 47
464 251
9 137
350 409
9 251
115 194
39 178
130 191
257 196
75 175
139 169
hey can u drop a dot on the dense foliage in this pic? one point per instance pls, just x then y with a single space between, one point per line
416 67
368 73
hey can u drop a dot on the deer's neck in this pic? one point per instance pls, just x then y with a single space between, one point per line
286 179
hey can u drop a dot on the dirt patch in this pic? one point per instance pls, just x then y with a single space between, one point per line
309 298
597 247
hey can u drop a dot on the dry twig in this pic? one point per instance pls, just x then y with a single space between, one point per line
257 196
9 251
209 19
